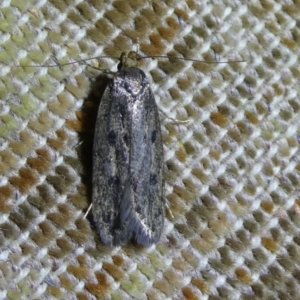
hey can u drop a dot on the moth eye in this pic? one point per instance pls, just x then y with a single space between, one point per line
153 136
153 179
127 86
112 137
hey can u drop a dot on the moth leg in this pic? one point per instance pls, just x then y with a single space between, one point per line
88 211
176 121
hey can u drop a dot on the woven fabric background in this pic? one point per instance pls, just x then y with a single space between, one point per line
232 171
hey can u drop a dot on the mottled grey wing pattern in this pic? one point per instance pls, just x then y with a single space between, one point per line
128 199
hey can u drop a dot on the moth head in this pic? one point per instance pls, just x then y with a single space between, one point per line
128 59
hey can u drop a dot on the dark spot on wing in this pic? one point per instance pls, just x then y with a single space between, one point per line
126 139
139 209
153 179
121 155
112 137
122 109
153 136
134 184
107 217
113 180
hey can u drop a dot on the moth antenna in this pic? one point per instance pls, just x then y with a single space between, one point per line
81 61
193 60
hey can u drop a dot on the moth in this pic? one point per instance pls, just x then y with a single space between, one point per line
128 186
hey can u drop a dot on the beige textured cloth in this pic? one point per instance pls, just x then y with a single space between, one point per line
232 171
